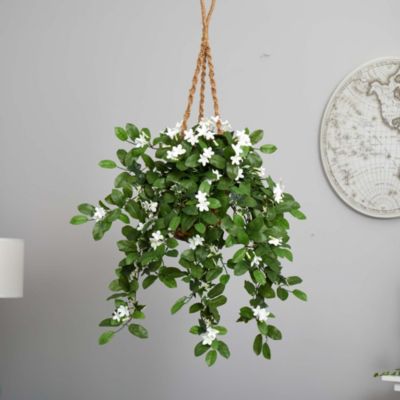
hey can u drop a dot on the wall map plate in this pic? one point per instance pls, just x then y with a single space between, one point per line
360 139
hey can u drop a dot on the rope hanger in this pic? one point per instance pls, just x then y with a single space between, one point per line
204 58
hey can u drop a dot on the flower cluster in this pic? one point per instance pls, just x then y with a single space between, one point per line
210 192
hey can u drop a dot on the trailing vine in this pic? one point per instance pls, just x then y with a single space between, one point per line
209 192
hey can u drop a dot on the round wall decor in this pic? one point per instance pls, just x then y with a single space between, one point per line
360 139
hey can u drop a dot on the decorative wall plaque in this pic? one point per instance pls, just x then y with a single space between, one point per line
360 139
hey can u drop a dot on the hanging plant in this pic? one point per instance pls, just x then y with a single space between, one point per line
205 187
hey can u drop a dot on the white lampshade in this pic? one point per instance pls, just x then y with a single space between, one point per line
11 267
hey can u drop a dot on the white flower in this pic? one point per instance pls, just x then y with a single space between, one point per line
204 159
260 171
215 119
175 152
239 174
261 314
237 148
178 125
190 136
226 126
213 250
203 128
218 176
236 159
275 241
139 226
140 141
172 132
99 213
195 241
202 206
204 285
209 135
208 152
278 192
201 196
202 202
242 138
121 313
255 262
150 206
156 239
209 336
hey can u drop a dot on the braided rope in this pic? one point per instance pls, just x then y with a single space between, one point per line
203 59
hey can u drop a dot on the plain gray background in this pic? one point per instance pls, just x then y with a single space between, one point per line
72 70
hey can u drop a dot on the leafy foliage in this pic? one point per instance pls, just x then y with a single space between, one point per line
209 191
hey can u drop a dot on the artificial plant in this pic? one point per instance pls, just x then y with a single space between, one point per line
204 187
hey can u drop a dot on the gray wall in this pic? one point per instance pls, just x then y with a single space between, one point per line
72 70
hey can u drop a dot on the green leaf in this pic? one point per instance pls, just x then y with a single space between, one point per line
174 223
294 280
262 327
117 197
172 243
178 304
257 344
221 329
216 290
211 357
240 268
200 349
99 229
114 286
204 187
105 337
242 236
223 349
259 277
195 330
149 280
282 293
283 253
268 148
297 214
138 314
86 209
121 133
239 255
218 301
107 164
300 295
168 282
250 288
132 130
274 333
209 218
195 307
218 161
224 279
214 203
232 171
213 273
246 313
266 351
256 136
78 220
200 227
138 330
238 220
192 160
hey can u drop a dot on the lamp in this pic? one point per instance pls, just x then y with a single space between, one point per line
11 267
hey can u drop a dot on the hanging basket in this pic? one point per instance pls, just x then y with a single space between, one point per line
185 196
